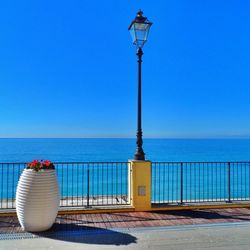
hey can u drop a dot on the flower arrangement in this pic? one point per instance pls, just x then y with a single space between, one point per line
39 165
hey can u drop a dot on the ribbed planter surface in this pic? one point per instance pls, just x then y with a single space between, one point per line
37 199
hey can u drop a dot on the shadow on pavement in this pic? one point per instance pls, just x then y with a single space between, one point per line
209 214
87 235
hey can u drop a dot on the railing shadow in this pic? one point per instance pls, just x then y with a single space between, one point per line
210 214
116 218
88 235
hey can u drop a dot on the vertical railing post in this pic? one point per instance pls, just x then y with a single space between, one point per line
88 187
181 183
229 182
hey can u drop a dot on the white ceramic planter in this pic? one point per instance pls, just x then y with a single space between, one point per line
37 199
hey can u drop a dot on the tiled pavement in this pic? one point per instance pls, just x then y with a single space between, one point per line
9 225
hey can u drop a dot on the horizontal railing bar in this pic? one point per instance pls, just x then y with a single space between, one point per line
65 162
193 162
123 162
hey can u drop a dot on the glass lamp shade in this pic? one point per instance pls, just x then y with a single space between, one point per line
139 29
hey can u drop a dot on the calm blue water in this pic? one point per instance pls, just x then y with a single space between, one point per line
211 184
24 150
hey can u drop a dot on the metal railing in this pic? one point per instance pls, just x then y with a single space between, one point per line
89 184
83 184
199 182
9 176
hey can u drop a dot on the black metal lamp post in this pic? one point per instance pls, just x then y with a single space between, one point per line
139 29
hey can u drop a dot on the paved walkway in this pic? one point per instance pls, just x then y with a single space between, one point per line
229 236
196 229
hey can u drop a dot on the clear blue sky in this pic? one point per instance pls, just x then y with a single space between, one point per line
69 69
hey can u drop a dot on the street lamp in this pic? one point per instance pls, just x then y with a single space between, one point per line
139 29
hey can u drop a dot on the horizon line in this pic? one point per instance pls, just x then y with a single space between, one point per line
166 138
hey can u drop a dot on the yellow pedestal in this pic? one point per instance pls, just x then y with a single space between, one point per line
140 184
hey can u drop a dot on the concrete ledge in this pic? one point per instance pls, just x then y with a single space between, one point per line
79 210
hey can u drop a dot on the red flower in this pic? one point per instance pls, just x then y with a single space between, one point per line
38 165
46 163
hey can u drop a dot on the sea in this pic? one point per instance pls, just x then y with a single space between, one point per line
209 180
96 150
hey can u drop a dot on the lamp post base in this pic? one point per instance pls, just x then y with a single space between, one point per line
139 155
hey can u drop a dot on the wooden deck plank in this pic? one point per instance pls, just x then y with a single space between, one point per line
10 224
